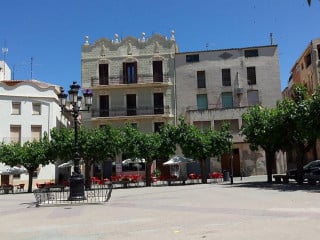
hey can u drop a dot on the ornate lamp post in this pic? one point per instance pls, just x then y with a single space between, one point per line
229 139
76 179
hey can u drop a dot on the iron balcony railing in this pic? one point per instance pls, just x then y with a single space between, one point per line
95 81
118 112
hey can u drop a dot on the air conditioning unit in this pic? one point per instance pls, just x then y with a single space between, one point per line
239 90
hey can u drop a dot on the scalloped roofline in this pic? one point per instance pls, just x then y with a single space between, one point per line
12 84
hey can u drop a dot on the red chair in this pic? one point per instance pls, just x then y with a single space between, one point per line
216 176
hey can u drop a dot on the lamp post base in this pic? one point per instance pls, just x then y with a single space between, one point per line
76 188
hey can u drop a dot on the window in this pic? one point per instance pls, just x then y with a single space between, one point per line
226 77
318 48
104 105
251 75
253 97
251 53
202 125
103 74
192 58
227 100
36 108
158 103
157 71
16 108
35 133
131 105
158 126
130 73
201 79
202 102
234 124
15 133
307 60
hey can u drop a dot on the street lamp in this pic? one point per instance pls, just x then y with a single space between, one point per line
76 179
229 139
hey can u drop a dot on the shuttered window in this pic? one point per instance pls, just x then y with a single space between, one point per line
227 100
253 97
202 101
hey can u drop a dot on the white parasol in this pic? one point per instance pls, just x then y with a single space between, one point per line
178 160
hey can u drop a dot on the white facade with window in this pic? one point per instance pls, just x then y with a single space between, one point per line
28 109
230 81
5 71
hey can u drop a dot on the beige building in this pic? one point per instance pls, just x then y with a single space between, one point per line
218 86
132 81
306 69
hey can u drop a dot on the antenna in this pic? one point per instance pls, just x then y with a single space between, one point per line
271 39
31 64
4 52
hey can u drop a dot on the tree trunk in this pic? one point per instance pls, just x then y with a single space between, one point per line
30 172
270 157
203 171
148 173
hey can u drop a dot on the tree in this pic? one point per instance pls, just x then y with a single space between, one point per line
30 155
97 145
168 141
200 145
301 131
36 153
262 127
141 145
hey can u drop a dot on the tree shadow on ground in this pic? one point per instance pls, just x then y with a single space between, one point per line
282 187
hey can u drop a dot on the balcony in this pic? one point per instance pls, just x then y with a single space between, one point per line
117 82
121 112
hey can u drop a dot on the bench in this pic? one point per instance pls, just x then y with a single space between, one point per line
281 178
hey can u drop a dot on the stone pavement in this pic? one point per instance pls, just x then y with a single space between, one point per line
248 209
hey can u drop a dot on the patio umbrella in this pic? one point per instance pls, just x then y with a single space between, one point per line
133 160
13 170
66 164
178 160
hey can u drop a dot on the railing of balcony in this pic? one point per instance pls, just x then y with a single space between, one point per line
119 80
118 112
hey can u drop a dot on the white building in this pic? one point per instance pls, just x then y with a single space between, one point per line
28 109
5 71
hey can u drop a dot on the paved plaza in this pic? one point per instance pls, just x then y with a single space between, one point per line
249 209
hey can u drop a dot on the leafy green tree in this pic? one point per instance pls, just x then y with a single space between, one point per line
301 131
262 127
168 141
36 153
30 155
200 145
62 140
141 145
98 145
95 145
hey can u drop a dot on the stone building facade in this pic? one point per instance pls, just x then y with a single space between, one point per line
132 81
218 86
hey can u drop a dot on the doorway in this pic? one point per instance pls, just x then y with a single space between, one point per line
225 162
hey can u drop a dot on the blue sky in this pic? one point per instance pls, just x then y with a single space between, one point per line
52 32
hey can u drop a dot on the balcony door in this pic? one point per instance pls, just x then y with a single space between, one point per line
158 103
131 105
